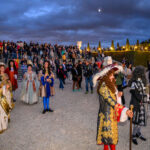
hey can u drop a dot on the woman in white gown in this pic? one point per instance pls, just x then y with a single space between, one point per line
4 112
30 87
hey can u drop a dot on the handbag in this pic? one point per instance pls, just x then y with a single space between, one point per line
64 76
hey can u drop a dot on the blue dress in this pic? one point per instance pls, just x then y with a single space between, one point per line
47 85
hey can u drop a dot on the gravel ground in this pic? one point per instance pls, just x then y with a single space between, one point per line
71 127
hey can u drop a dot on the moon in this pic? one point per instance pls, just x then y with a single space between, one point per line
99 10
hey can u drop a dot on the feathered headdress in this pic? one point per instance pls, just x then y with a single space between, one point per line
104 71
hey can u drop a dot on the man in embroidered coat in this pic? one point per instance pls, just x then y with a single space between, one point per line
110 112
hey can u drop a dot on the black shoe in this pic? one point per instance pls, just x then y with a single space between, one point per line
141 137
91 92
135 141
50 110
44 111
14 100
86 92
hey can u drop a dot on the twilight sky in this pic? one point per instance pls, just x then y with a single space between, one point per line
68 21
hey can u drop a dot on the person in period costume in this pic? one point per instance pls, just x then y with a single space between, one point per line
110 111
148 69
138 98
30 87
4 111
6 86
119 79
45 91
12 73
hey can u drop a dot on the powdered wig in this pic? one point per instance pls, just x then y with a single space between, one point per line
139 72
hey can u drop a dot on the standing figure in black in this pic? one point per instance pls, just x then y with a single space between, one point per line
138 97
79 69
148 67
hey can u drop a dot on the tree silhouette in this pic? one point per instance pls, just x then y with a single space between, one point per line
127 45
99 46
88 47
137 45
118 46
112 46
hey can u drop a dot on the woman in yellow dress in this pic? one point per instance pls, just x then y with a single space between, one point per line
4 111
6 86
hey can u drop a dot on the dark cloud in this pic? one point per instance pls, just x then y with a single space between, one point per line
70 21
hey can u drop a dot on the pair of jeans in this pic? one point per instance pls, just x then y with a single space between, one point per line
88 80
6 58
46 103
61 86
30 57
14 55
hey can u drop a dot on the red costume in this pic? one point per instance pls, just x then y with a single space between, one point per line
1 44
12 77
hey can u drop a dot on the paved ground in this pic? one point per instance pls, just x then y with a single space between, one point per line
71 127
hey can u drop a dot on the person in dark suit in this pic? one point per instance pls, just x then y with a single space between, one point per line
5 55
75 78
79 69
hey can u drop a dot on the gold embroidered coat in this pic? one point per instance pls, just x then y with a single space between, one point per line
4 81
107 129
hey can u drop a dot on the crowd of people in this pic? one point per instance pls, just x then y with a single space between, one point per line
42 64
39 65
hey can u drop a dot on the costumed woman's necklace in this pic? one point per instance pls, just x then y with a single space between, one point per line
46 72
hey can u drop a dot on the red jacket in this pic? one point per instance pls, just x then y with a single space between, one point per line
1 44
12 78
